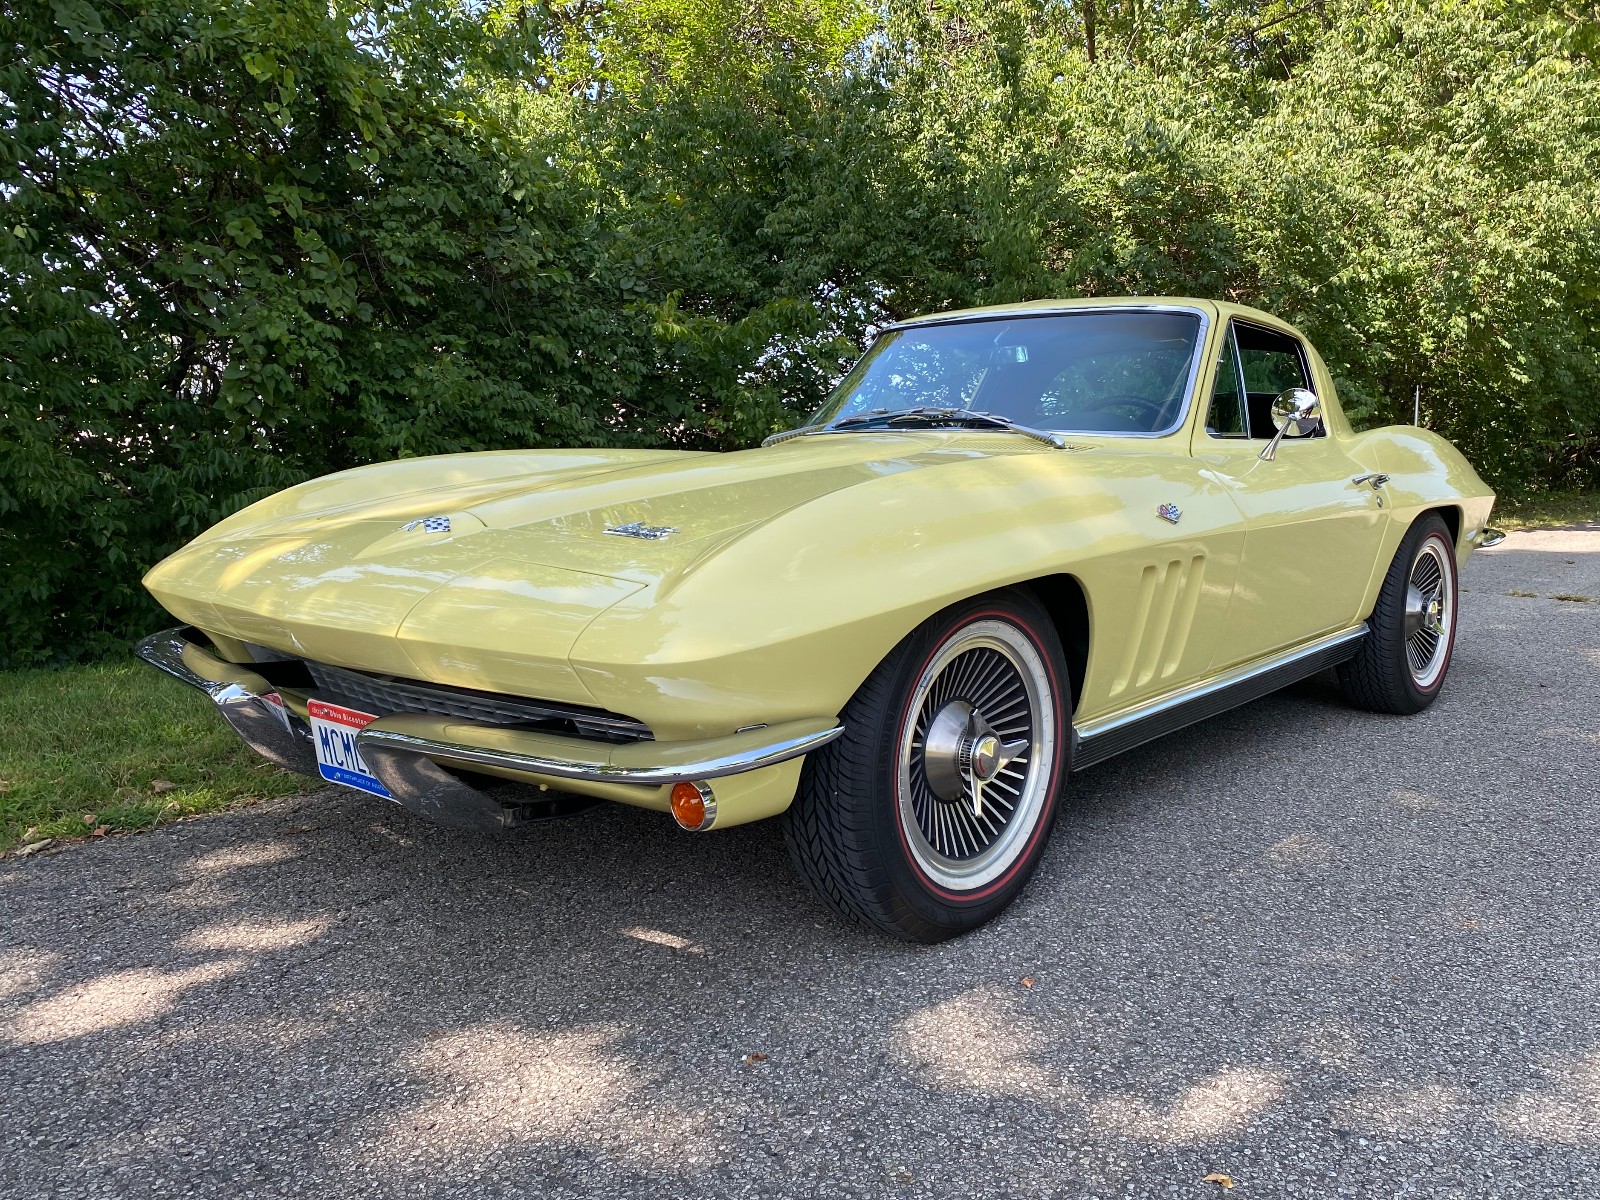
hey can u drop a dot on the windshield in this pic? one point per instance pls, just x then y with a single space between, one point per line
1082 372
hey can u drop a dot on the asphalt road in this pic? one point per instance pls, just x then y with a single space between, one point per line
1322 952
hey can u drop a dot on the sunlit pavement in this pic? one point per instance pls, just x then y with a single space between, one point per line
1323 953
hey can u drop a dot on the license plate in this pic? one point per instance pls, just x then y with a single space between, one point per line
333 731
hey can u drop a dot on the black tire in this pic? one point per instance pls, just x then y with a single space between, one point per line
1383 676
850 829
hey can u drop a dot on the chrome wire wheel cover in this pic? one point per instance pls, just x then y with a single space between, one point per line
976 756
1430 612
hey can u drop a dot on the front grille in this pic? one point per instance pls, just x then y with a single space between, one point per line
384 694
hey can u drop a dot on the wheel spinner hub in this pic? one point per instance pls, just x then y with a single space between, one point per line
980 756
962 753
1424 613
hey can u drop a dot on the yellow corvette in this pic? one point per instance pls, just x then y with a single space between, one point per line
1016 541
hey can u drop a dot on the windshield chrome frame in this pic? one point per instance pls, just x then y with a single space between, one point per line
1198 361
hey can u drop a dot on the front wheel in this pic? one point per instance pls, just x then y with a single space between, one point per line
929 814
1412 631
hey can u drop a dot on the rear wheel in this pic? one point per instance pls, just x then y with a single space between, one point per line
1412 631
929 814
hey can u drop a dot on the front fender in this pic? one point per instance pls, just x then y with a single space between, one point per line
786 621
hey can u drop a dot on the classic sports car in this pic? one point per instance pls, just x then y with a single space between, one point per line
1016 541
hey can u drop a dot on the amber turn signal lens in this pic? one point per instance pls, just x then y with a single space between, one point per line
693 806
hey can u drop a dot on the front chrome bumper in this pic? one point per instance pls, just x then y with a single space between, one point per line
646 764
256 710
416 755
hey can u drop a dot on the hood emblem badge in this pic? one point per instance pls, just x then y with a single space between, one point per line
427 525
1169 512
638 529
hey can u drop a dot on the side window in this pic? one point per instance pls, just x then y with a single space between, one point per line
1225 417
1271 363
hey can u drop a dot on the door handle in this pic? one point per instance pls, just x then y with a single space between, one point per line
1377 481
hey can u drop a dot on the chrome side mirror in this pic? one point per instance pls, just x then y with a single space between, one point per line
1296 413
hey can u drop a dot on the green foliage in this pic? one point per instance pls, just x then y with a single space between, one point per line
245 244
242 249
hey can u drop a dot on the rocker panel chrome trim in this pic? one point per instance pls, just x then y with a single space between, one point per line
1110 736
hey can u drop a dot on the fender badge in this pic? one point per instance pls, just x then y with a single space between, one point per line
428 525
1169 512
638 529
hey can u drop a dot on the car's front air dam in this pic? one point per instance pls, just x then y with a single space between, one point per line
416 756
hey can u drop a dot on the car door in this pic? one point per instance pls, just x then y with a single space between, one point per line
1313 519
1167 540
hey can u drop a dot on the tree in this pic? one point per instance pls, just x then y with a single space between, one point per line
246 244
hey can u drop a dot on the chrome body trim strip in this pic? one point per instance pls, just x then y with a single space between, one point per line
644 764
1109 736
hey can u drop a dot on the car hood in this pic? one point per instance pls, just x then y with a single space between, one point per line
523 549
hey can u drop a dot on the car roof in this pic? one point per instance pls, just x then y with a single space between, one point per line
1219 309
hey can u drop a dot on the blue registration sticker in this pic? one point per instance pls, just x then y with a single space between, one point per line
333 731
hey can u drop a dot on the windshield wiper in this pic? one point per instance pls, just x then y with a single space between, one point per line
892 416
997 421
930 415
875 415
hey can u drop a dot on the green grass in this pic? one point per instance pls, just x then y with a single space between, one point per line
86 748
1545 509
